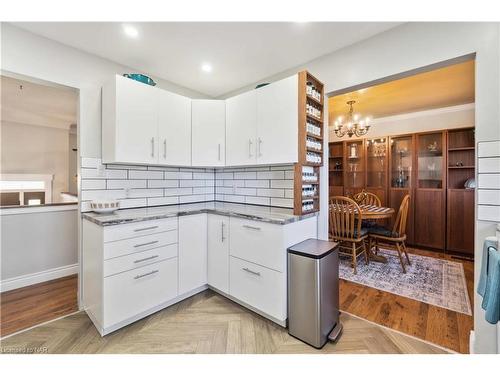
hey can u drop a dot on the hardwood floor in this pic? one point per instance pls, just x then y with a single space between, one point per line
26 307
443 327
205 323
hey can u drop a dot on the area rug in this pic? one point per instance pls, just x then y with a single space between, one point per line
434 281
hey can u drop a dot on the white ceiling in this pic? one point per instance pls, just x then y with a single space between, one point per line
240 53
36 104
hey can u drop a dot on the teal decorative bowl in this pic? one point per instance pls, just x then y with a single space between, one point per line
140 78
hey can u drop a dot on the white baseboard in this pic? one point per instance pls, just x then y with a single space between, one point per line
38 277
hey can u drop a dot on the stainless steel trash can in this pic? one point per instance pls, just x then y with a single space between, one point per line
313 291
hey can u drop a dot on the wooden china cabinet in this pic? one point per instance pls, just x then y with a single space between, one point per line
460 199
354 169
401 176
430 190
376 168
336 169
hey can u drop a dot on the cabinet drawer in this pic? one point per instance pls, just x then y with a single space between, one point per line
140 259
130 293
257 242
137 244
122 231
259 287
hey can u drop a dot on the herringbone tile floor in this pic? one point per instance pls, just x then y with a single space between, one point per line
206 323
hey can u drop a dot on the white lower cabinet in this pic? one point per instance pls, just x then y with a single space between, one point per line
192 252
259 287
129 271
133 292
257 242
133 270
218 252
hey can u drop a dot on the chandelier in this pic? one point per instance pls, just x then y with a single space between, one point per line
352 124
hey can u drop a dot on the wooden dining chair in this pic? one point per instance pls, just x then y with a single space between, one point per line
395 238
345 228
368 198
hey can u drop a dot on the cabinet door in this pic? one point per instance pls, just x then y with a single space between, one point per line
192 252
429 218
460 221
174 129
241 129
208 127
277 122
218 252
136 117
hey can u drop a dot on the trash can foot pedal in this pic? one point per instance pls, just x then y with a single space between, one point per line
336 333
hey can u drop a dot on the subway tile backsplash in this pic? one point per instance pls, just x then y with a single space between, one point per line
267 186
144 186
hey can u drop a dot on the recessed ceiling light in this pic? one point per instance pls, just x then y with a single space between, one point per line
206 67
130 31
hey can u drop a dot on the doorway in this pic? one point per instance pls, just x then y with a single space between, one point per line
410 136
38 202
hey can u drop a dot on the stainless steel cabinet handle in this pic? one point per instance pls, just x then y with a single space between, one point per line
146 274
165 149
222 231
147 228
251 227
145 259
250 143
218 152
260 143
146 244
152 147
250 271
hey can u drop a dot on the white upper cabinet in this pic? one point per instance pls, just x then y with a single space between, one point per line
277 122
174 129
129 122
146 125
241 129
208 122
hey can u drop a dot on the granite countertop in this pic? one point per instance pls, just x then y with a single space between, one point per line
272 215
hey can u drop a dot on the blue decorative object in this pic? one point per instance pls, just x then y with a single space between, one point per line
140 78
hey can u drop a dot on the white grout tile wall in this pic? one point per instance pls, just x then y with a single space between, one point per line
145 186
488 183
268 186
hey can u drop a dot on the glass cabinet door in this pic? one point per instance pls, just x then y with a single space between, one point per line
401 162
430 161
354 169
376 163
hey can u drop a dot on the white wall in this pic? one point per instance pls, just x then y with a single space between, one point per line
412 46
26 258
436 119
28 149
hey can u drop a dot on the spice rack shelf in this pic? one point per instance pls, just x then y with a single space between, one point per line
311 132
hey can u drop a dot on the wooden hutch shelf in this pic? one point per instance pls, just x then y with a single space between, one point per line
311 152
460 207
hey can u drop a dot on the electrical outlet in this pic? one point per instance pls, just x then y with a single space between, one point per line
127 192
